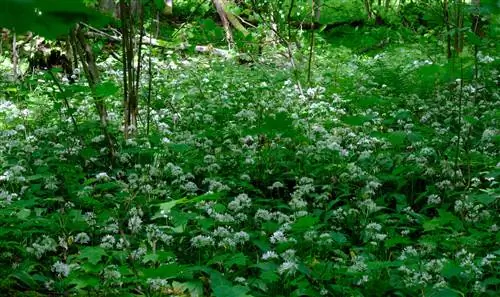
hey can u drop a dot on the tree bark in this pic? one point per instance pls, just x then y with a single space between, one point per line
368 8
87 58
458 37
15 57
219 6
169 7
446 16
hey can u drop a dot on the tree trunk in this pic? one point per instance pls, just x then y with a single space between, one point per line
169 7
109 6
477 24
131 74
219 6
87 58
15 57
368 8
458 37
446 16
317 10
112 7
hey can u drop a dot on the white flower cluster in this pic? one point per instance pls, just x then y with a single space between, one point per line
239 203
229 239
43 246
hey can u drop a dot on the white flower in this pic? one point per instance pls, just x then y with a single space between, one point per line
190 187
202 241
108 242
111 273
374 226
240 202
262 214
433 199
61 269
288 268
157 284
278 236
241 237
269 255
134 224
102 176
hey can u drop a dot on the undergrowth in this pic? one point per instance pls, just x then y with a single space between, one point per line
379 179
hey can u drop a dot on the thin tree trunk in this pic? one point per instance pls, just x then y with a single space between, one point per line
317 10
169 7
477 26
368 8
478 30
219 6
15 57
446 12
459 22
91 72
130 74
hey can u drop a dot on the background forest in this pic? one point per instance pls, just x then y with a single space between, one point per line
235 148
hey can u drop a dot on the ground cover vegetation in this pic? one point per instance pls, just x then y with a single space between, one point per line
249 148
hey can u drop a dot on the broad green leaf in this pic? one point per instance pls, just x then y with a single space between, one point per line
48 18
153 258
356 120
338 237
84 281
106 89
223 287
238 259
445 292
485 198
166 271
393 241
445 219
93 253
304 223
24 278
493 281
23 214
195 288
451 269
396 138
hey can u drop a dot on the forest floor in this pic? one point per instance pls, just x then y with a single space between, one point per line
378 176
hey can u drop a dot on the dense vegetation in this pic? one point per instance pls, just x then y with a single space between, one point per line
344 149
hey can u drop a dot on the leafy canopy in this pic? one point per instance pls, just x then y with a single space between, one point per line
49 18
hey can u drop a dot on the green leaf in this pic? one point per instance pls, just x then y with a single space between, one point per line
236 291
339 238
166 271
393 241
224 288
238 259
23 214
445 292
451 269
396 138
153 258
48 18
24 278
84 281
492 281
485 198
445 218
304 223
93 254
356 120
106 89
195 288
